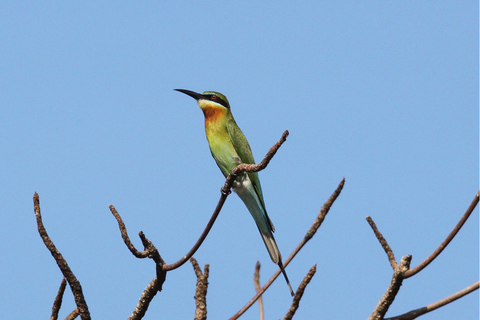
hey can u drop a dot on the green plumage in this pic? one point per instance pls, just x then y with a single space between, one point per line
229 148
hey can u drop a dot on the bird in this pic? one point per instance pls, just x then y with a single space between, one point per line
229 148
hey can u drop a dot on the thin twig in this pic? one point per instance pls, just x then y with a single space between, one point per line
256 282
125 237
390 294
299 293
150 251
440 303
200 290
383 242
225 192
62 263
445 242
310 233
58 300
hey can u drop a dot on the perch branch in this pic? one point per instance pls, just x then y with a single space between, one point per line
299 293
62 263
243 167
445 242
383 242
200 290
440 303
225 192
310 233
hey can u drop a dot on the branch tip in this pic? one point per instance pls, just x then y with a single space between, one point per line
383 242
299 293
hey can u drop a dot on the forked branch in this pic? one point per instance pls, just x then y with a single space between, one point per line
200 290
57 303
403 271
149 249
62 263
395 284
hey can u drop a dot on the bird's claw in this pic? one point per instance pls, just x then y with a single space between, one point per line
225 191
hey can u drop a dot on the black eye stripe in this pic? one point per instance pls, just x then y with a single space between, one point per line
217 99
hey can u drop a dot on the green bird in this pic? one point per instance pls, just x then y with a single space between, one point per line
229 148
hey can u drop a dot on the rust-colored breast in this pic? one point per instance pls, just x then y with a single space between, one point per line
213 114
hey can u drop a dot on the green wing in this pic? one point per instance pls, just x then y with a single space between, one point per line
242 148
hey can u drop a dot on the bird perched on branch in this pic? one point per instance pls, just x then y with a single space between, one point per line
229 148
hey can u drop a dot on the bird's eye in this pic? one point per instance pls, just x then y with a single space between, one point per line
214 97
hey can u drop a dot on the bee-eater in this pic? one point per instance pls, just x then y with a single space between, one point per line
229 148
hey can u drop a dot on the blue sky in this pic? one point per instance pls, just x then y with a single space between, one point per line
384 94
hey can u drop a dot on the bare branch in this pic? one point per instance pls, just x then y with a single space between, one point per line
200 290
243 167
225 192
440 303
58 300
383 242
389 296
145 299
299 293
402 272
323 213
310 233
125 237
62 263
445 242
256 282
200 240
149 249
155 256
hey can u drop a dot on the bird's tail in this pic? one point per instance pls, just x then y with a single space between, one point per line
271 245
275 255
252 200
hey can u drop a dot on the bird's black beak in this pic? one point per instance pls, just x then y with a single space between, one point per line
192 94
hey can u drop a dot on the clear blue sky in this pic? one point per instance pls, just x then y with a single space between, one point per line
384 94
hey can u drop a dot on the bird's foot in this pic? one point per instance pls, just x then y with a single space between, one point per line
225 191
